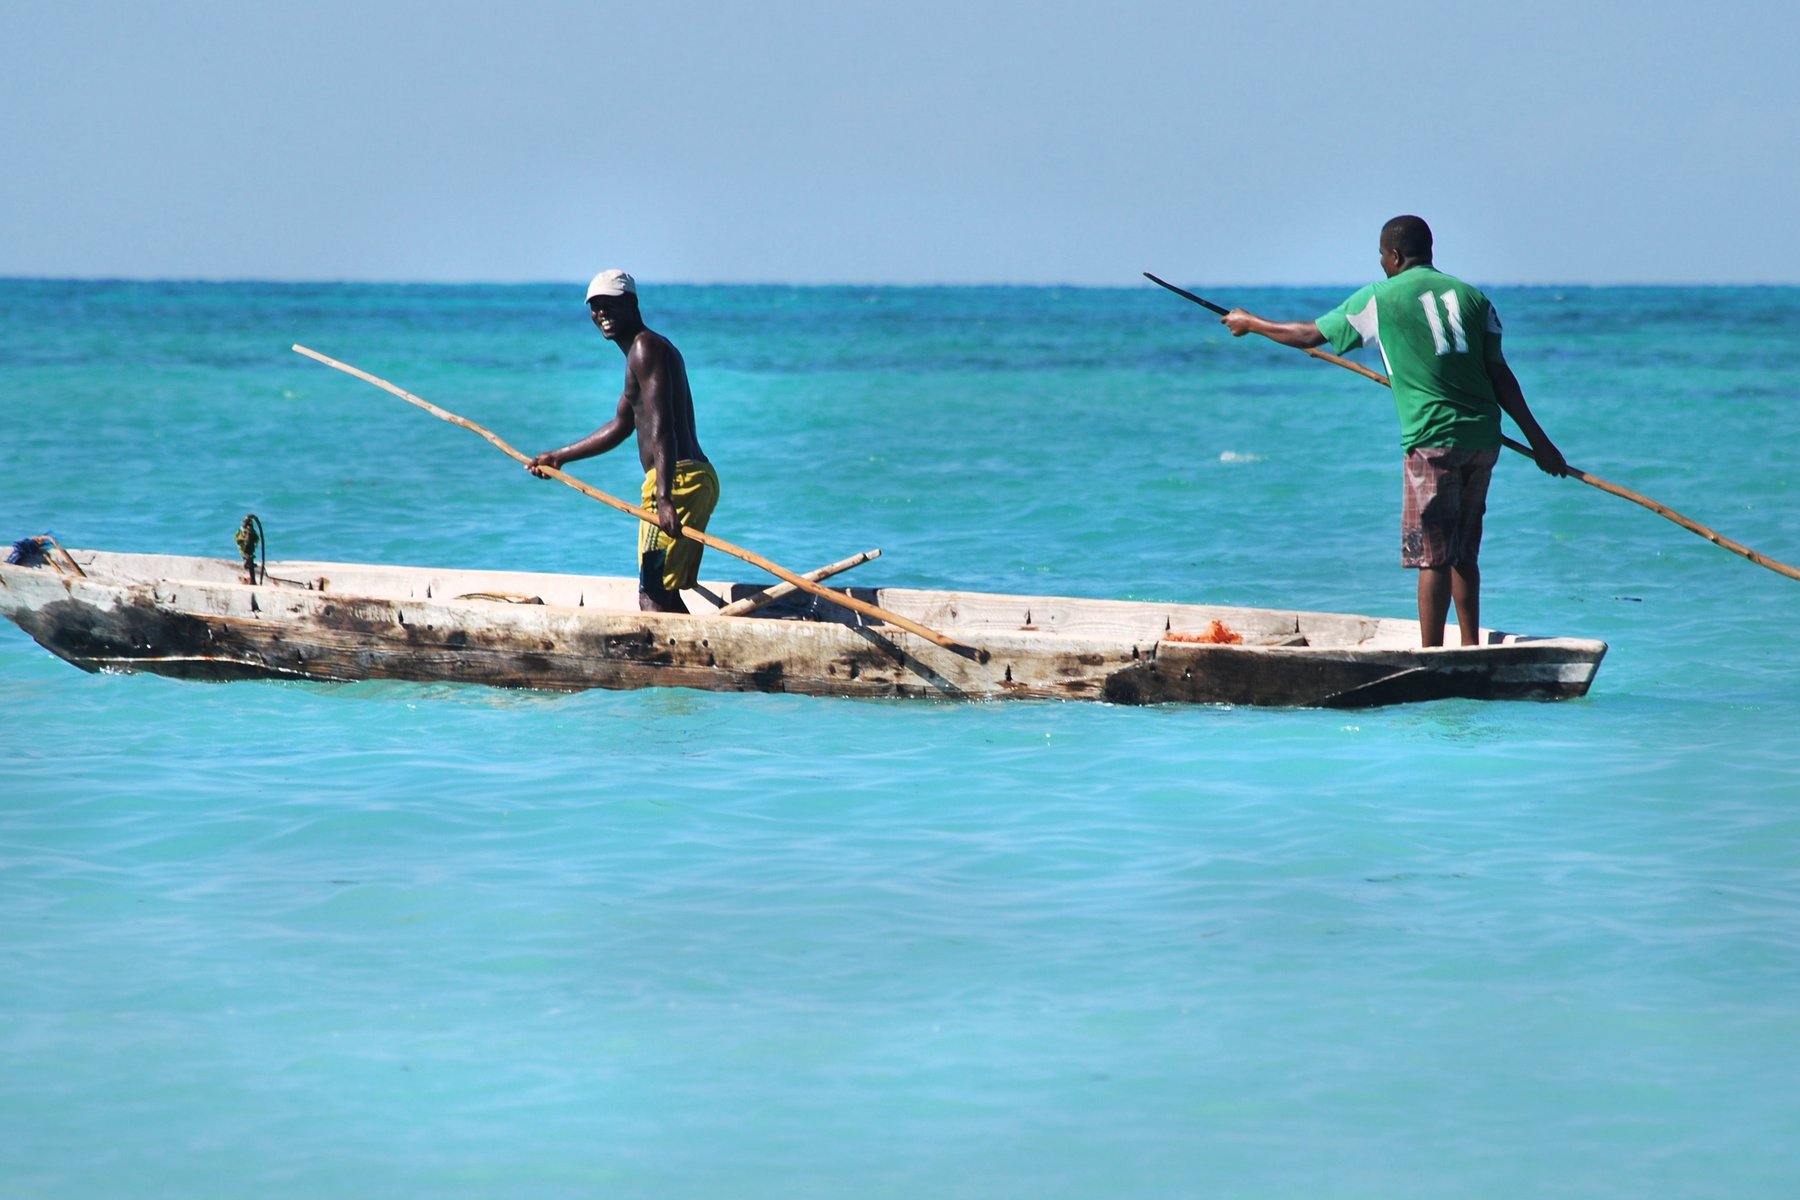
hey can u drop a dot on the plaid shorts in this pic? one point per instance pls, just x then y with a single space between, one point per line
1443 500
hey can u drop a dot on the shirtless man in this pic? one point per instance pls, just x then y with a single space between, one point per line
680 486
1440 339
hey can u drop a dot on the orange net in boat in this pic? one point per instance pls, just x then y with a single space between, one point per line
1217 633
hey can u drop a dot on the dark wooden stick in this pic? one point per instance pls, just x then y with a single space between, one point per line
1661 510
799 581
67 557
1200 300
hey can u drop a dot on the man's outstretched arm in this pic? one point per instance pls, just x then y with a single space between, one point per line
597 442
1303 335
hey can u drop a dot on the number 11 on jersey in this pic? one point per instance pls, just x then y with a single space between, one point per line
1456 341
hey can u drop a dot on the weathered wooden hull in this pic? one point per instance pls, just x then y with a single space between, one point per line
198 619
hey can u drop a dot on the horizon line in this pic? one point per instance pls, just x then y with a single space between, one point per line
239 280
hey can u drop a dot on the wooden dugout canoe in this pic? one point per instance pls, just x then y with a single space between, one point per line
198 618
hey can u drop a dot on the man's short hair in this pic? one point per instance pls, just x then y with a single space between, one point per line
1411 236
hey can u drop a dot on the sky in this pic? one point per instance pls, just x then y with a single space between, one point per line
924 142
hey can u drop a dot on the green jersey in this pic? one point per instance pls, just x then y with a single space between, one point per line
1437 335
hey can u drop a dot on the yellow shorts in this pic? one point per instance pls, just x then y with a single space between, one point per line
677 560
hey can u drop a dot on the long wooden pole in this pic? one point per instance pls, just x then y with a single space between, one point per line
749 604
1661 510
799 581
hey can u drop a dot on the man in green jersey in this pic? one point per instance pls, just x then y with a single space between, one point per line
1440 339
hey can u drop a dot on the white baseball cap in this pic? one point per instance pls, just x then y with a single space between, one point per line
613 282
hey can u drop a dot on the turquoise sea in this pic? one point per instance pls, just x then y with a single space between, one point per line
288 940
